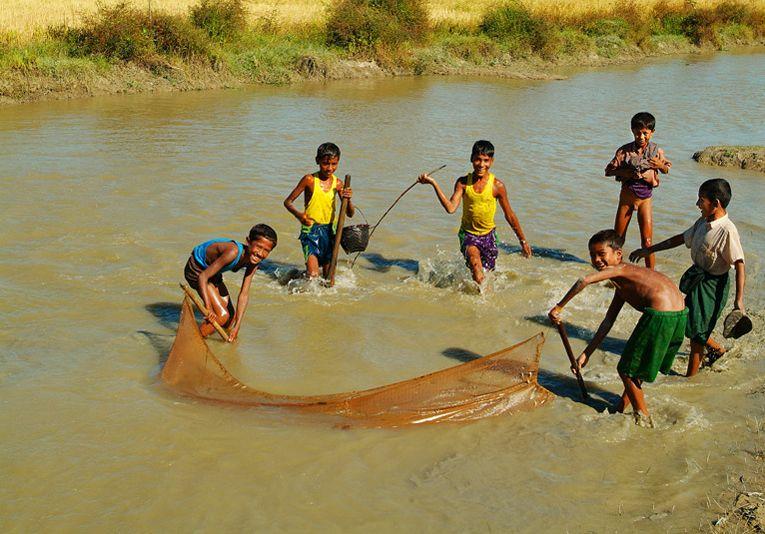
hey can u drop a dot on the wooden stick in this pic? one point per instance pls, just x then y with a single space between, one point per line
201 305
338 233
570 353
434 171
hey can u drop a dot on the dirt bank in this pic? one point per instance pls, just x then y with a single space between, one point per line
751 158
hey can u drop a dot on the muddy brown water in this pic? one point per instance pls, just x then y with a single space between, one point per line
104 198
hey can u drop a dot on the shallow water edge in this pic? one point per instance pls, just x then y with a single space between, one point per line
86 79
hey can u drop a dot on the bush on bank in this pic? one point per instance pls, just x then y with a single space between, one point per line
367 25
122 32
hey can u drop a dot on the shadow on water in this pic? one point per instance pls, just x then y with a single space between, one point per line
167 314
550 253
382 264
559 384
282 272
610 344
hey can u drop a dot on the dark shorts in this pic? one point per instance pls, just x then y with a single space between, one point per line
653 344
192 271
486 245
317 240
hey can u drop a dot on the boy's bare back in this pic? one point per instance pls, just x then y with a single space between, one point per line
644 288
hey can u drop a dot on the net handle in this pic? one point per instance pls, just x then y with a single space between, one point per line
201 306
570 353
338 233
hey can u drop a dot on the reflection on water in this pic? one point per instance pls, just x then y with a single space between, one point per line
104 199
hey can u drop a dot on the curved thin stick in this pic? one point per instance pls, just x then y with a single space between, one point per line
371 233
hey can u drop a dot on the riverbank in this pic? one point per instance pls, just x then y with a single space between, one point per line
123 49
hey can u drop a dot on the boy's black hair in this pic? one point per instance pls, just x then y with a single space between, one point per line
643 120
263 230
327 150
716 189
609 237
482 148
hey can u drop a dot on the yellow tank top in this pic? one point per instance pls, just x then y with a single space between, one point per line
478 209
321 207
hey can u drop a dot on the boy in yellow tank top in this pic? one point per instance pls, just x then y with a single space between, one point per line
481 191
320 190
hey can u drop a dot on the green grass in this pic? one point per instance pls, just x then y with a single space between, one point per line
396 34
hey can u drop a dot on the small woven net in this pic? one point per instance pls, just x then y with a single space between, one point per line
503 382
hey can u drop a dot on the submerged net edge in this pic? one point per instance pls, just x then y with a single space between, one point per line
192 369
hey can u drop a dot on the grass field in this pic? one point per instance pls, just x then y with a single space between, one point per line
28 16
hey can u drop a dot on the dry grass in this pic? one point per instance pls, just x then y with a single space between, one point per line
29 16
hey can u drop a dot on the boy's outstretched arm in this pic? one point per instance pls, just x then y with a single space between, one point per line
608 321
500 193
451 204
740 281
579 285
288 202
672 242
241 303
605 327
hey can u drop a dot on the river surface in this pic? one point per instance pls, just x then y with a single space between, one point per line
104 198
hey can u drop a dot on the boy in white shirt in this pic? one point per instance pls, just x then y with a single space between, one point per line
715 247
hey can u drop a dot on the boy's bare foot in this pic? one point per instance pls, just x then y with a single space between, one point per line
712 356
643 420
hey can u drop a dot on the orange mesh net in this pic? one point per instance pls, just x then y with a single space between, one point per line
503 382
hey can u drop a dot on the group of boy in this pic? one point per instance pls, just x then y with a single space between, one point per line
667 316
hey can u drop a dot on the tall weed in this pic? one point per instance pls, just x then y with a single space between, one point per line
221 19
364 25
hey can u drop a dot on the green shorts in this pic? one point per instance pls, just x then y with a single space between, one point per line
705 297
653 344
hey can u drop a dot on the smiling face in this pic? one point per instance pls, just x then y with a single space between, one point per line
481 164
260 248
642 136
709 209
602 255
327 165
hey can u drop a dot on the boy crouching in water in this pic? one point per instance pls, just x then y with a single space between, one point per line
205 268
715 247
319 190
659 333
481 191
635 165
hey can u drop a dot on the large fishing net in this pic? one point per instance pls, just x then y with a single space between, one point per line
503 382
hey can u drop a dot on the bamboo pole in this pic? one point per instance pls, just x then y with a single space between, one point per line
201 306
338 233
574 366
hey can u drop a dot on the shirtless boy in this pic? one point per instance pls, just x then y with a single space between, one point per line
481 190
659 333
205 268
635 165
715 247
319 191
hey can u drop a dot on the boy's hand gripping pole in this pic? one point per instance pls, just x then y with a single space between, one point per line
201 305
338 233
570 353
